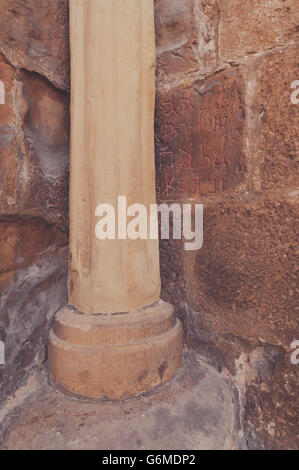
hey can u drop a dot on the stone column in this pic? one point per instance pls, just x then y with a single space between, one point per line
116 338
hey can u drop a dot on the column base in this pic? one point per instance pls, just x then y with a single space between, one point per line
115 356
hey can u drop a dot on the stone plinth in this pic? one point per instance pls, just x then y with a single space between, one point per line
100 356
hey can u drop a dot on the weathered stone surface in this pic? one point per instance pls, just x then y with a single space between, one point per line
271 410
9 162
46 125
278 148
247 27
186 37
194 411
34 36
207 19
246 269
7 76
237 294
199 138
27 305
34 147
114 357
234 291
46 147
176 37
22 242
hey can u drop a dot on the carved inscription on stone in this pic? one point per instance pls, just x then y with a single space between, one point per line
199 138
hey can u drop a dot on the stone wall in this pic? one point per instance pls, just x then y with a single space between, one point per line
225 137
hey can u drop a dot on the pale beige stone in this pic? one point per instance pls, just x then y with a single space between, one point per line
112 150
116 356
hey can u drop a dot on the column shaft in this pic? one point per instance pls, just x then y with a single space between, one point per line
112 151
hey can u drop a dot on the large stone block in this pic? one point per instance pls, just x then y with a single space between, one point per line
278 147
34 147
34 36
186 36
46 150
246 269
247 27
176 37
9 161
46 124
7 77
199 138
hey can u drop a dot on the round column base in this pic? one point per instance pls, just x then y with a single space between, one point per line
114 356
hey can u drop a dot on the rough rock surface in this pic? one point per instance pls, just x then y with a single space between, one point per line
34 147
32 297
279 146
34 155
253 26
34 36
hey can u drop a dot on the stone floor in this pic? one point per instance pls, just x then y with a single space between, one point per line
194 411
